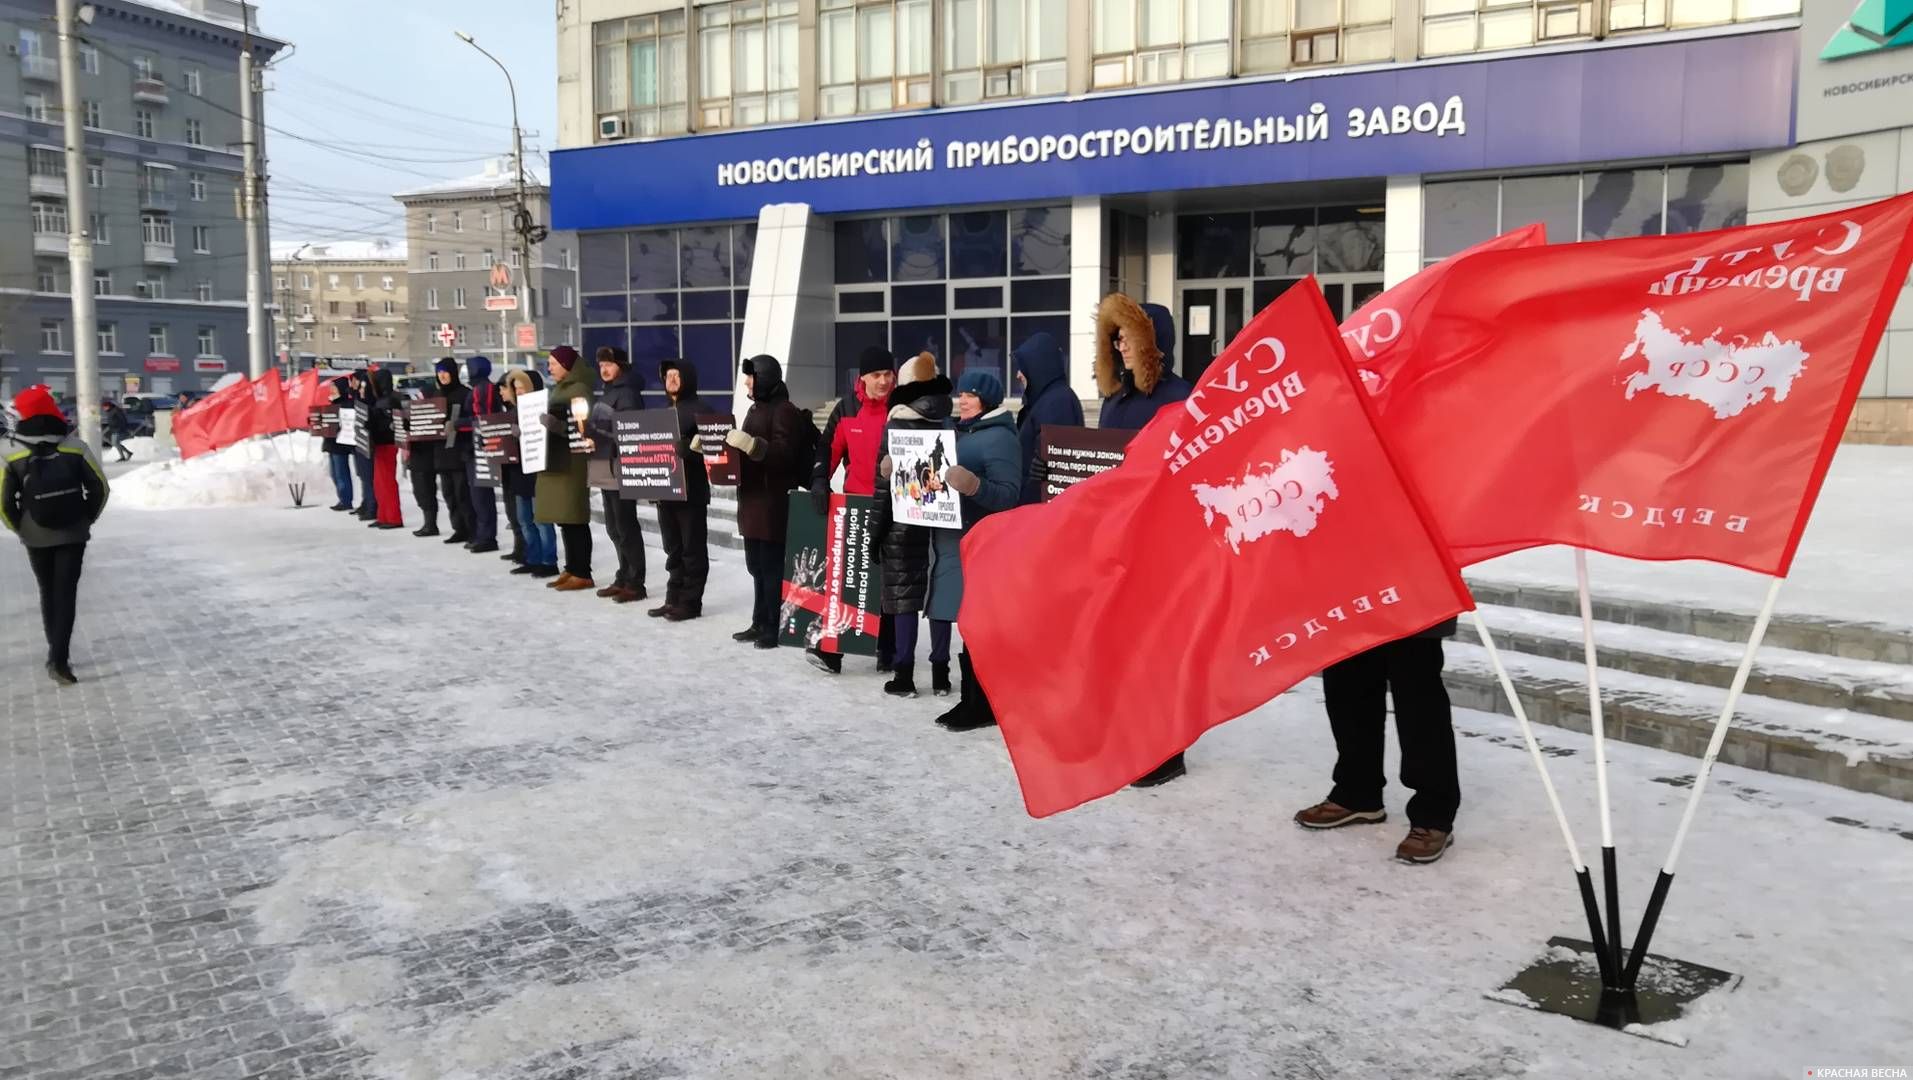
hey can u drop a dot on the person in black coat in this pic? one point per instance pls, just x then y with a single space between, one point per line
481 399
337 457
685 526
622 390
921 402
1047 399
386 402
776 441
448 457
361 464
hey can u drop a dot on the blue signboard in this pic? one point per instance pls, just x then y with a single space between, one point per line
1726 94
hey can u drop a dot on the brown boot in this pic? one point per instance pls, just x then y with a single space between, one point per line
611 591
1328 815
576 584
629 596
1424 845
560 581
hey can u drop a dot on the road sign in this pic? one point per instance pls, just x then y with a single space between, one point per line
501 303
445 335
501 276
527 336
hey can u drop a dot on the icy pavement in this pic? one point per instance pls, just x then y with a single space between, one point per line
340 803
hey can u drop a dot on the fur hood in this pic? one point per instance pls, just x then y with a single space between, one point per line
1119 312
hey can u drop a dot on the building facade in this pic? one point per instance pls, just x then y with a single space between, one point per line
458 234
340 304
160 89
968 172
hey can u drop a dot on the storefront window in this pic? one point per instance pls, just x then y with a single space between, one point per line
1601 205
1277 34
1003 49
747 63
664 293
640 74
872 56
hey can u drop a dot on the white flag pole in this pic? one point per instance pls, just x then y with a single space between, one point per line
1609 875
1666 879
1583 881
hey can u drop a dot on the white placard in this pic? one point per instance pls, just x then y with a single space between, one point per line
534 443
348 435
920 460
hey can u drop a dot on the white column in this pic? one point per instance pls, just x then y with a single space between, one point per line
1087 280
1401 229
789 315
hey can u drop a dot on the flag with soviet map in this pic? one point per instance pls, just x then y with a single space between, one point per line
1667 397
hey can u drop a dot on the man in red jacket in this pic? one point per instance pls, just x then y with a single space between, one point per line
855 438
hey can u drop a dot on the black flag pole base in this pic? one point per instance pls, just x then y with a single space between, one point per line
1566 980
298 492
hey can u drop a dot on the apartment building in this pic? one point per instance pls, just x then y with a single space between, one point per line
340 303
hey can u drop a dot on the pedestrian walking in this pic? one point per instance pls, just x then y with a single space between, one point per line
920 402
621 390
482 399
1136 372
386 404
777 441
685 526
53 492
1047 399
449 456
338 458
853 441
1355 693
116 426
539 553
988 478
564 489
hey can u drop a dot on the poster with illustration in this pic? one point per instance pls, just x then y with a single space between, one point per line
918 495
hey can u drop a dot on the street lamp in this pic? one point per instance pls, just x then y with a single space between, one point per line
529 232
285 307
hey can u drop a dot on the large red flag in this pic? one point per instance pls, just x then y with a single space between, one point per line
189 431
227 414
1253 535
268 405
301 397
1671 397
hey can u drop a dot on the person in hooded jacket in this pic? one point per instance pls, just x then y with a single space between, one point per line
449 458
55 535
853 440
481 399
539 555
921 402
339 457
988 476
564 488
777 441
386 402
622 390
1047 399
685 526
368 512
1135 370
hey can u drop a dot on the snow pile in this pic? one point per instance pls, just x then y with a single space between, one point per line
254 472
145 448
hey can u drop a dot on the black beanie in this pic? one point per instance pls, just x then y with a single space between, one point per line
875 359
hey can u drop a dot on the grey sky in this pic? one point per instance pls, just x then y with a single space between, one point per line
401 51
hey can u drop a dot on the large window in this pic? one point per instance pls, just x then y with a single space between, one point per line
872 55
1274 249
1278 34
663 293
1003 49
640 73
747 63
1460 26
964 287
49 217
1137 42
1599 205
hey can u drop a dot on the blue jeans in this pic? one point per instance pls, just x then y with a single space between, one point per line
541 538
903 649
484 506
342 477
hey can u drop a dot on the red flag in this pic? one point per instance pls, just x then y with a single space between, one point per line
1253 535
1671 397
189 431
268 415
227 414
301 396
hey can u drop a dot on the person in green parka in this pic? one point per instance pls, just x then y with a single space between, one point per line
564 494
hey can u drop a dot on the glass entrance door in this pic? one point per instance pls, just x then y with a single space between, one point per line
1208 317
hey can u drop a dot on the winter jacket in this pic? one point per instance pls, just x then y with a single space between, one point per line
564 490
48 434
905 549
485 398
764 486
697 479
1131 398
115 421
518 482
1047 399
857 444
345 400
385 402
988 447
450 457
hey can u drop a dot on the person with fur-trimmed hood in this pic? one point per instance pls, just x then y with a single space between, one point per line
684 526
921 402
776 440
1135 370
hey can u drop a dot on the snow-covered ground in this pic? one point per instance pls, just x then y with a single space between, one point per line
251 473
478 829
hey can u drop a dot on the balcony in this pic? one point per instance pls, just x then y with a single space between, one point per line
158 254
157 198
43 68
150 92
53 184
49 244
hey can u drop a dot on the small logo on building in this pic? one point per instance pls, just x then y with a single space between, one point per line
1875 25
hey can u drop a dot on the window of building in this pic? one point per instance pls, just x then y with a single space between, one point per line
89 60
391 307
571 331
640 74
31 44
203 292
564 258
458 221
1139 42
431 222
103 283
431 299
332 281
95 173
332 307
109 337
194 85
485 259
143 123
747 63
152 288
143 68
872 57
156 340
431 260
305 281
511 259
1003 49
46 163
359 310
458 260
196 183
305 311
569 299
1597 205
279 284
491 336
391 334
332 332
46 279
661 293
203 239
49 217
385 283
157 228
458 298
460 339
96 224
208 341
485 221
364 332
90 113
1278 34
52 335
34 106
307 335
358 282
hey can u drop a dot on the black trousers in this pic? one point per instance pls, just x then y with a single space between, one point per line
685 530
511 519
765 560
368 500
458 502
621 524
577 540
1356 691
484 505
425 493
57 569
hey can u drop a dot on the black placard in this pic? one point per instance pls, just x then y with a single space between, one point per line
362 428
648 464
495 436
720 458
323 421
1068 456
426 420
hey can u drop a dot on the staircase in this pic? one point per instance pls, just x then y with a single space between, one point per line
1827 700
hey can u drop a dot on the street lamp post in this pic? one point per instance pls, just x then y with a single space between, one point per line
529 232
285 306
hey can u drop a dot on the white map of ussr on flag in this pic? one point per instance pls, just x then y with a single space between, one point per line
1271 498
1726 377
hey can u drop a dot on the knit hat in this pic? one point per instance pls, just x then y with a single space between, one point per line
611 354
37 400
875 359
919 368
565 357
985 384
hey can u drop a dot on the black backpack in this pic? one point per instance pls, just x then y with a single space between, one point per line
53 489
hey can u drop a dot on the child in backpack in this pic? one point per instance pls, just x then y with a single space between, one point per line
53 492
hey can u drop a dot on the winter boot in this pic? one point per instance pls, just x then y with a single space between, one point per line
828 663
660 611
973 710
630 596
1424 845
1162 774
940 678
430 528
681 613
902 684
750 633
